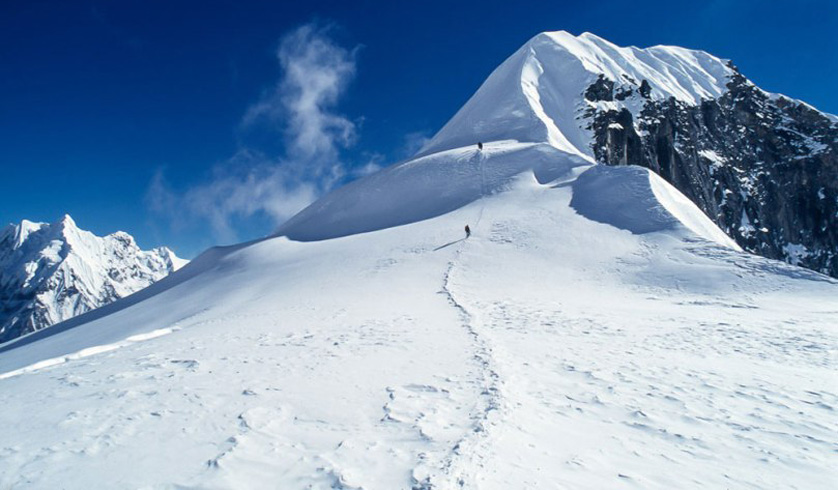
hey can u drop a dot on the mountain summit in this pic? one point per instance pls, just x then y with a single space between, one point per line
762 166
52 272
543 92
596 329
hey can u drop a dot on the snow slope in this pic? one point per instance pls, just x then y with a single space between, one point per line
425 187
567 343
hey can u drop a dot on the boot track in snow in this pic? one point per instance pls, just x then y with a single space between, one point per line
465 462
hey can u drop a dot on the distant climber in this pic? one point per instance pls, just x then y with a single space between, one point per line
468 231
479 145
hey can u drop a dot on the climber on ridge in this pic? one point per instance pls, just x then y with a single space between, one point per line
479 145
468 231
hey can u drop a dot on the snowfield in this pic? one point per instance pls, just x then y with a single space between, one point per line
547 350
595 331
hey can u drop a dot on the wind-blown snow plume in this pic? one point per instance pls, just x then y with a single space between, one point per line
300 108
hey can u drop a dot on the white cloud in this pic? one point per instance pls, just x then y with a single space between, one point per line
316 72
300 108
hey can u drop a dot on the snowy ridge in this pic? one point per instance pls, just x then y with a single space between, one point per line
536 95
637 200
440 183
52 272
425 187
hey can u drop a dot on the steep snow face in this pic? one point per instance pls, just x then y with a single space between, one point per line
537 94
52 272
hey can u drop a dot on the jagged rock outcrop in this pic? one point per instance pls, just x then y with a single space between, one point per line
52 272
762 166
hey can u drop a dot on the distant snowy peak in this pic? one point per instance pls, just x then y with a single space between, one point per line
52 272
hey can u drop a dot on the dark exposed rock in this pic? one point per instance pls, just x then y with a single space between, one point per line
602 89
623 93
764 168
645 89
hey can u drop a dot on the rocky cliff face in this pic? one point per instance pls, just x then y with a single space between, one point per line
52 272
763 167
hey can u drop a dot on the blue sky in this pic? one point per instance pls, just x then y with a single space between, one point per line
190 124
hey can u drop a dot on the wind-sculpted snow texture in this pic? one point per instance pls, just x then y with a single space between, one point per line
633 199
52 272
558 346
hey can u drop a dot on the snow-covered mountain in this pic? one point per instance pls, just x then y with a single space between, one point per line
52 272
597 330
763 166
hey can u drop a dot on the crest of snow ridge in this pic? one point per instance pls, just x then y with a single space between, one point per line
536 95
527 114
